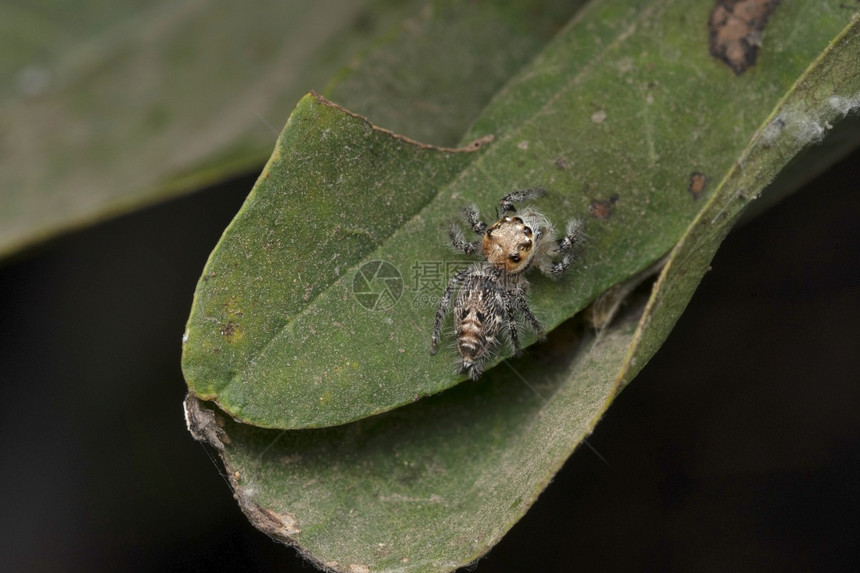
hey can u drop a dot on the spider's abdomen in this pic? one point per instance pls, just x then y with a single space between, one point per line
472 340
477 322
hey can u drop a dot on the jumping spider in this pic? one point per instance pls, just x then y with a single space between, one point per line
492 291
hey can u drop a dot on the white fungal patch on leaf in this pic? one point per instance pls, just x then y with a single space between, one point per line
806 126
845 105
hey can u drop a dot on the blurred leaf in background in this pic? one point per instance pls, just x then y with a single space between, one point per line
109 106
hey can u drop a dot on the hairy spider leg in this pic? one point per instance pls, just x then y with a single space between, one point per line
564 246
458 240
515 299
473 217
444 304
506 205
519 298
510 314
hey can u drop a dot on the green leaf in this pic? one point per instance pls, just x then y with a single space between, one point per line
432 486
617 117
825 94
294 247
109 106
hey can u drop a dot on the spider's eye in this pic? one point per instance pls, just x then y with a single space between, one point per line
527 231
514 258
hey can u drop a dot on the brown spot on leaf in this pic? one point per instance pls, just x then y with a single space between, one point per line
736 31
231 332
602 208
698 182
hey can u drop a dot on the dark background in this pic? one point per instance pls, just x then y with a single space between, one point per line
737 448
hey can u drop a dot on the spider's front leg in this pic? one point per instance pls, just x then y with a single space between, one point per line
564 247
444 303
473 217
506 205
459 242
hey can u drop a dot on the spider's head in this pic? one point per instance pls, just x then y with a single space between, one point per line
509 244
